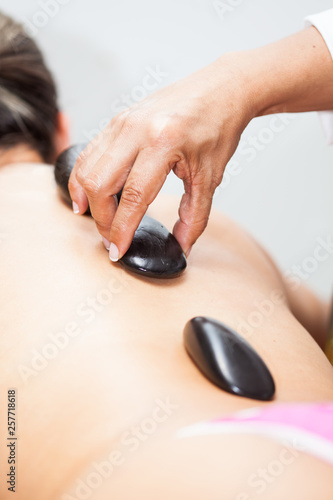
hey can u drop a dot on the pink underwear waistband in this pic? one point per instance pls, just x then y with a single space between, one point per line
306 427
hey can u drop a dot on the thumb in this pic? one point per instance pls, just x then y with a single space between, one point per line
193 213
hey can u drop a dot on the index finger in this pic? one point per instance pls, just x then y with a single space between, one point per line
144 182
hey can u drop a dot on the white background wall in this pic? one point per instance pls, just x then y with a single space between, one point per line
99 51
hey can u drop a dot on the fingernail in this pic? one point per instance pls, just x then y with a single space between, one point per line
106 243
114 252
188 252
76 209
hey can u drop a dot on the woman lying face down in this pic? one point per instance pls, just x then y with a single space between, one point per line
105 391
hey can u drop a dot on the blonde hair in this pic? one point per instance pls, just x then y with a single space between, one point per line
28 97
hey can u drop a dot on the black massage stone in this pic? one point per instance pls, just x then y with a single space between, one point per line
227 360
63 168
154 252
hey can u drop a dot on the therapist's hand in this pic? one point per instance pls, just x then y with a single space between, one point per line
191 127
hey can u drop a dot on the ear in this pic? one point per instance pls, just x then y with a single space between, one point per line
62 134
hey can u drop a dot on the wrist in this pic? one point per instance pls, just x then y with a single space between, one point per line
257 80
235 80
294 74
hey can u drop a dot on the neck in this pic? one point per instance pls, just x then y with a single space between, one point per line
19 154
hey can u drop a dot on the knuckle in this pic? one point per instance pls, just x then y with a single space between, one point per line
102 219
202 222
114 121
132 195
102 226
91 184
120 117
71 184
81 158
119 227
198 220
198 225
163 129
130 123
79 175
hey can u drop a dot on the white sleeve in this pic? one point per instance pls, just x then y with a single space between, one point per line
324 24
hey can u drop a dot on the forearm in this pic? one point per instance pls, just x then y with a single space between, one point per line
294 74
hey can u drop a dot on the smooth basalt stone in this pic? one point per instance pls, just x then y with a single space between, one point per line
227 360
154 252
63 168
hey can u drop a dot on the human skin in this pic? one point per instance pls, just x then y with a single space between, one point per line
123 354
192 128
